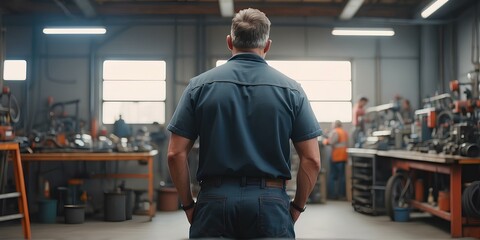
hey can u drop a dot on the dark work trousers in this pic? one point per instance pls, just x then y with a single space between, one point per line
230 209
336 180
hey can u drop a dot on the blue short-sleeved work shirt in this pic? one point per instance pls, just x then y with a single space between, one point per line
244 113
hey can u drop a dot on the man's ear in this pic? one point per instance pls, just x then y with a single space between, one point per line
267 46
229 42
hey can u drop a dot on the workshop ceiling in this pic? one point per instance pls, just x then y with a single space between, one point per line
383 9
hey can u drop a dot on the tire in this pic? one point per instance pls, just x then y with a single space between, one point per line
393 190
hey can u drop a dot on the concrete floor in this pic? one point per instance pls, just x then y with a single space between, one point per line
334 220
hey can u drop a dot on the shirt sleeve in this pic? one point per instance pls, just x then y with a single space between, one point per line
305 126
333 137
183 120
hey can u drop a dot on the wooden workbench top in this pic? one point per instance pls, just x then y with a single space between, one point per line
417 156
87 156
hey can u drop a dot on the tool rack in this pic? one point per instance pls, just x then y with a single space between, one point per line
368 181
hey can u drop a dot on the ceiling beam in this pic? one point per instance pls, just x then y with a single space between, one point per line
295 9
86 7
212 8
350 9
288 8
386 11
171 8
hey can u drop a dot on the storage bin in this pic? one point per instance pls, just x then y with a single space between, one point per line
419 190
444 201
168 199
401 214
47 210
74 214
114 206
128 203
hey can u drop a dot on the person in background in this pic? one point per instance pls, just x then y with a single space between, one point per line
244 113
406 111
358 121
338 139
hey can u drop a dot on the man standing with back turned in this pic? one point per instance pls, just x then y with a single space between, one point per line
245 114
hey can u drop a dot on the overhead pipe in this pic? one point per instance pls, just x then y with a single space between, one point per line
378 73
2 52
64 8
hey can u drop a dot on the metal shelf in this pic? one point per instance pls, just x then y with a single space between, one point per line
362 200
362 177
362 187
368 185
362 165
430 209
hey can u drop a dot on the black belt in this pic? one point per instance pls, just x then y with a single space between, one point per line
244 181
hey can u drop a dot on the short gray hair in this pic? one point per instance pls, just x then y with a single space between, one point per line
338 123
250 29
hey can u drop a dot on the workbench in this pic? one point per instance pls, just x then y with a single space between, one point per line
103 156
451 165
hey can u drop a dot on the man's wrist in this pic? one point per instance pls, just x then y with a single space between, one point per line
189 206
298 208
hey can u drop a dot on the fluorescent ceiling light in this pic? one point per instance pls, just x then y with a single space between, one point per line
385 32
75 30
226 8
350 9
434 6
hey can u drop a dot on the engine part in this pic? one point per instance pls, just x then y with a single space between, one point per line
469 150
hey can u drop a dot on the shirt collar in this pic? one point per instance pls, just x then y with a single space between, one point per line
247 57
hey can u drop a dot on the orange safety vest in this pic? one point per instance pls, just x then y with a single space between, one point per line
339 148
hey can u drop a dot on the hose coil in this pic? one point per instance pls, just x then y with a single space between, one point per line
471 200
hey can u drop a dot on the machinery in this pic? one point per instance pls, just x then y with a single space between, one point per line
9 108
385 127
9 114
448 123
61 130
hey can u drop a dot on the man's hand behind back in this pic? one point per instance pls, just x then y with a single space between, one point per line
189 214
294 214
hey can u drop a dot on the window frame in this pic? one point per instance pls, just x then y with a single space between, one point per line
164 82
15 80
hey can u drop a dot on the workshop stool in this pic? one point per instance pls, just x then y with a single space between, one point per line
14 151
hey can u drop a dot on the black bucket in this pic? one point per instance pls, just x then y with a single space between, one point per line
128 203
74 214
114 206
62 196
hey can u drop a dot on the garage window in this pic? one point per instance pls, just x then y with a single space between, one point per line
136 90
15 70
328 85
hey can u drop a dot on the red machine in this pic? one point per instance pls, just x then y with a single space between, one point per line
9 114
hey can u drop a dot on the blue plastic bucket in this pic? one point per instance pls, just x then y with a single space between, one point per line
47 210
401 214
